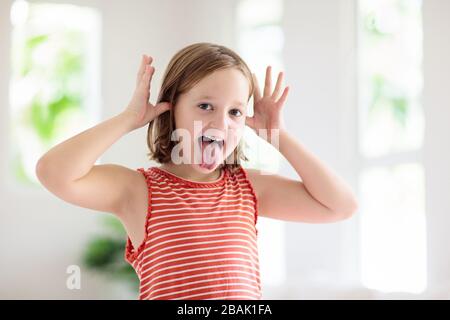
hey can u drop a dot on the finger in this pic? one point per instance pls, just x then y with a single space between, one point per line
283 97
147 77
144 85
257 91
161 108
276 92
144 62
149 82
268 82
141 70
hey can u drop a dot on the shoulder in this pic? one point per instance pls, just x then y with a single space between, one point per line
264 182
138 185
238 173
251 176
254 176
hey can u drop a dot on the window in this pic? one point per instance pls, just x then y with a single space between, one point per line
391 131
54 86
259 21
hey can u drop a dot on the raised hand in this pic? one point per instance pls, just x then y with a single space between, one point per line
140 105
267 108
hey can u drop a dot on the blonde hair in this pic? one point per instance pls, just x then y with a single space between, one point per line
187 67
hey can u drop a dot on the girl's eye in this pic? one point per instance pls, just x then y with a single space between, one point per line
236 112
202 106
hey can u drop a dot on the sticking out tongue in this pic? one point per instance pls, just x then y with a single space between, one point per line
211 154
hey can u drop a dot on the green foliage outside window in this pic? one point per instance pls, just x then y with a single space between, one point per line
50 67
105 254
50 87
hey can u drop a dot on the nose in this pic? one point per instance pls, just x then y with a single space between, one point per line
219 121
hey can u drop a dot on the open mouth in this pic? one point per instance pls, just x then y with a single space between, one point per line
211 150
205 139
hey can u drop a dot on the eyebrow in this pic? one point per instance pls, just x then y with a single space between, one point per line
238 103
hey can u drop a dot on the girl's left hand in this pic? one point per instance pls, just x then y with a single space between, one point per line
267 109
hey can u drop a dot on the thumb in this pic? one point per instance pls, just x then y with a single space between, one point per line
162 107
250 121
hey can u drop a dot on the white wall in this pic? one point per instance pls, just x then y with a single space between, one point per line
437 151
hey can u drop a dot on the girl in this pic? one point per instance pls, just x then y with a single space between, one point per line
191 224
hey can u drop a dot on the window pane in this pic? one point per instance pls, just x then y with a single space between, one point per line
390 76
255 13
393 235
259 22
54 89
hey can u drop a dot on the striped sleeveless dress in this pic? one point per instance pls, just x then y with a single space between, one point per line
201 239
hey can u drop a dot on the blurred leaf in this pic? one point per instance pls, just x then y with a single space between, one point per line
30 45
101 252
33 42
400 109
106 254
385 95
58 73
378 82
115 225
42 118
68 63
371 26
39 119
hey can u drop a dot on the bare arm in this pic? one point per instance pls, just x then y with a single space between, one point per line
321 195
68 169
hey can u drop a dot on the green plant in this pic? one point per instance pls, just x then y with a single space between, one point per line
105 254
53 64
386 95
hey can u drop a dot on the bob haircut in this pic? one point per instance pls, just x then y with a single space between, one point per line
187 67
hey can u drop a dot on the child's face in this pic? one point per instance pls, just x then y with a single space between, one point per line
216 106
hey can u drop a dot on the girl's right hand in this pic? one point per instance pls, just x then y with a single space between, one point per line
140 108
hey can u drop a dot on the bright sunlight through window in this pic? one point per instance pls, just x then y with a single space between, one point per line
391 130
54 86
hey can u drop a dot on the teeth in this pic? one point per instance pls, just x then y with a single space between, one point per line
212 138
207 138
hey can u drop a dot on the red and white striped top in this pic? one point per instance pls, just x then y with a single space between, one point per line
201 238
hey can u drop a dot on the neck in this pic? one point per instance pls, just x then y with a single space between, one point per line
185 171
